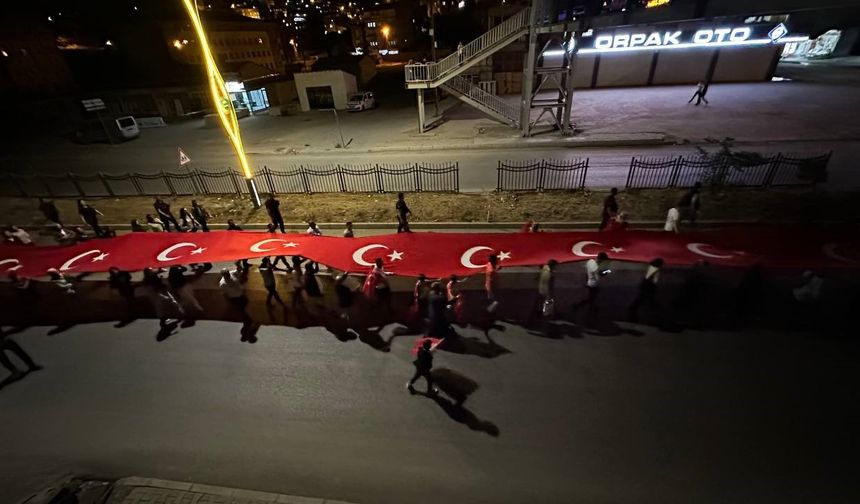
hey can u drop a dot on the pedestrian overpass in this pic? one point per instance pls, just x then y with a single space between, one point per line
555 30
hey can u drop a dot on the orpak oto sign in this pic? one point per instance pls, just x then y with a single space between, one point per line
678 39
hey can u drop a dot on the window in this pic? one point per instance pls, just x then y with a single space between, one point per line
373 43
371 24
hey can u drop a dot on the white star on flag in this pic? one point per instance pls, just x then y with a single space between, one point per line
198 250
291 245
504 255
100 257
395 256
617 250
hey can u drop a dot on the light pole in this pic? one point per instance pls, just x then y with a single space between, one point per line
221 100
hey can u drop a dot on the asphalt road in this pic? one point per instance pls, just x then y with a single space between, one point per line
638 417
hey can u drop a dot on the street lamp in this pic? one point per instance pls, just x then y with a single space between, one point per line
386 30
221 99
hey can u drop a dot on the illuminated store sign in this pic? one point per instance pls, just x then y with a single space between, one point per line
671 39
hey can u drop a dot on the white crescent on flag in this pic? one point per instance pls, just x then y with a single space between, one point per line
358 255
164 256
466 258
70 264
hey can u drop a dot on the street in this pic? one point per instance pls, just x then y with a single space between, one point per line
809 115
637 416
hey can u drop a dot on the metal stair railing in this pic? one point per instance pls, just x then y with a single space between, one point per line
462 86
477 48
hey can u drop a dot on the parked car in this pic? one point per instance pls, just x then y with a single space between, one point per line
361 101
118 129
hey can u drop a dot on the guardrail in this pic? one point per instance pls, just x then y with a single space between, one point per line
683 171
542 175
411 177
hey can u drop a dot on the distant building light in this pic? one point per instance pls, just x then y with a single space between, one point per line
108 42
650 4
50 18
134 7
298 19
234 87
177 44
462 4
5 54
259 40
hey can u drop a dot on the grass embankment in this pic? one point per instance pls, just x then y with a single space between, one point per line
736 204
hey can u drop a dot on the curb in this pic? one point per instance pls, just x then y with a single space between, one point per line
268 497
630 139
299 227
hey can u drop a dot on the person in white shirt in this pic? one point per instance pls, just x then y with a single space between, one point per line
672 218
232 284
313 229
647 289
60 281
595 269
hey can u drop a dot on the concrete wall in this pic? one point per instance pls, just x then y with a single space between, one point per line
624 69
583 70
342 85
682 67
738 64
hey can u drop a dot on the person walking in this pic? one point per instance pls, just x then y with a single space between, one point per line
546 289
610 208
60 281
187 221
348 233
273 208
184 293
154 224
7 344
460 52
297 280
647 294
420 298
456 303
376 285
90 216
689 204
313 229
403 214
699 95
120 281
162 209
232 285
672 218
312 286
167 309
423 367
199 214
595 269
267 273
344 296
491 278
18 236
49 210
437 303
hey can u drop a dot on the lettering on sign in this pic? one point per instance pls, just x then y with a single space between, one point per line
671 38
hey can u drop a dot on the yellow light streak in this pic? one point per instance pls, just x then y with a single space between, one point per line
218 90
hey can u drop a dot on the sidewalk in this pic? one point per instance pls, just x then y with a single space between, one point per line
137 490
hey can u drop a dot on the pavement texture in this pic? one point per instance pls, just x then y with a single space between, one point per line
761 411
137 490
812 113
